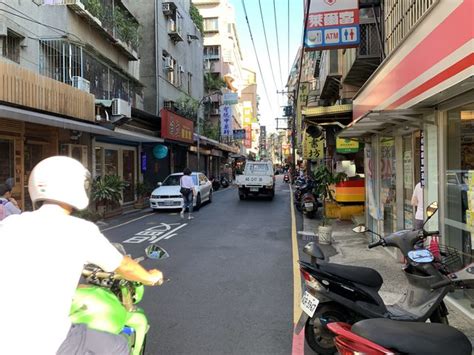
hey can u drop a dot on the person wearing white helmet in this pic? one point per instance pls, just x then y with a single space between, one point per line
42 254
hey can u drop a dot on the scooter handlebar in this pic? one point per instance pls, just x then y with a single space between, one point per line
442 283
376 244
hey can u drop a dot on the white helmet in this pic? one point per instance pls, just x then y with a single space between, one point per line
60 179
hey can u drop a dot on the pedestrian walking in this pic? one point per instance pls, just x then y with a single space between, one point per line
188 191
8 204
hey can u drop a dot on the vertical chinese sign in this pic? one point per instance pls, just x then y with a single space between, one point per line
332 24
248 124
226 121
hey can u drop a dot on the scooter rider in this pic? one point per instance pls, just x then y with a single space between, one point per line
42 254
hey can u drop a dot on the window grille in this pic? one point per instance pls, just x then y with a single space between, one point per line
400 18
11 46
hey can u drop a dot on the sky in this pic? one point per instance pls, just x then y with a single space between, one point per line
270 108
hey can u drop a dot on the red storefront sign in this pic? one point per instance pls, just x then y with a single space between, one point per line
248 137
176 127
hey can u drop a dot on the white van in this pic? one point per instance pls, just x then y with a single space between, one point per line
258 178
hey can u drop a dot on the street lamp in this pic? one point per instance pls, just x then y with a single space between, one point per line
218 92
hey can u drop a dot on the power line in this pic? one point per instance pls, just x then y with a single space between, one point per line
289 65
266 42
255 51
278 43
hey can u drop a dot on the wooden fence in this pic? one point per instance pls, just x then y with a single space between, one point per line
26 88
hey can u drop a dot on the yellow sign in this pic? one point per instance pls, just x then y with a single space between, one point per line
345 145
313 148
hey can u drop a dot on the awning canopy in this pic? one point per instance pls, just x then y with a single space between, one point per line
215 143
385 122
19 114
321 111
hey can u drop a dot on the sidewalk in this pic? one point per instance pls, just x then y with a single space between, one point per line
351 248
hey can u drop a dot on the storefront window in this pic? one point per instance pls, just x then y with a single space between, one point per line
459 208
111 162
6 161
388 193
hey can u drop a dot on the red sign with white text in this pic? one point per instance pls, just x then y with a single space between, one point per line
176 127
248 137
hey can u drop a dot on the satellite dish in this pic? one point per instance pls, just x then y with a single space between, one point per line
160 151
314 131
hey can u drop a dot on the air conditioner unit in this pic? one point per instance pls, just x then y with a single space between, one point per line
171 25
168 8
121 108
169 65
80 83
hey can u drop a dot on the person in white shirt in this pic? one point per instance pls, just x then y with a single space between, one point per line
188 191
417 202
8 204
42 254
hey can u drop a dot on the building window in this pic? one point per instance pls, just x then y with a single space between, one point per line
211 53
190 83
11 46
169 68
211 24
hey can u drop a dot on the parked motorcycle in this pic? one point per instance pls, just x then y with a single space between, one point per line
215 183
305 199
286 178
107 302
344 293
384 336
225 182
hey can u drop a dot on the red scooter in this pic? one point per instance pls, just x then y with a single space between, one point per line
381 336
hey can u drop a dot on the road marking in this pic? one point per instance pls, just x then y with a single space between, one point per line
155 234
125 223
298 339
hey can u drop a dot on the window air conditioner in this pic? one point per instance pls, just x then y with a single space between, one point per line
80 83
167 9
121 108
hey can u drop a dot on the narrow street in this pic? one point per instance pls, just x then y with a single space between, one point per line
231 276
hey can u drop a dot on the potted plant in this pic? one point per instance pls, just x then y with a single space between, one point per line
143 191
107 193
324 180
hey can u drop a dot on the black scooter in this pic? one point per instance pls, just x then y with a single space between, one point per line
343 293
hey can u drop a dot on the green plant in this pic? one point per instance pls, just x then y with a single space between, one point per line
126 28
107 190
143 190
95 8
187 106
213 82
323 179
196 17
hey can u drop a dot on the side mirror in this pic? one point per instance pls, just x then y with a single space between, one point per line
159 183
155 252
431 209
360 229
313 250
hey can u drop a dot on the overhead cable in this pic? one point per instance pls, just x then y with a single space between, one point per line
256 56
266 42
278 43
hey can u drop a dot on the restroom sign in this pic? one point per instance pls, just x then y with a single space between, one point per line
332 24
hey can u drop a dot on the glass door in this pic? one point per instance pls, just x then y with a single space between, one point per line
128 173
408 179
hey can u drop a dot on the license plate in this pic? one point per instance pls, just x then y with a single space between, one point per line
254 189
168 203
309 303
309 205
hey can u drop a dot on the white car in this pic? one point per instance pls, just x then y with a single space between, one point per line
167 195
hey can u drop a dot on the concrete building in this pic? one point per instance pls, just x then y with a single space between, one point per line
70 86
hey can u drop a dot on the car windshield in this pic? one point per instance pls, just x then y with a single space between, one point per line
173 180
257 169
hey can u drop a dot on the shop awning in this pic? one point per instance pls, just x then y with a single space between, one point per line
321 111
215 143
385 122
18 114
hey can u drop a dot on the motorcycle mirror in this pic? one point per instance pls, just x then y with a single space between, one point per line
155 252
120 248
360 229
431 209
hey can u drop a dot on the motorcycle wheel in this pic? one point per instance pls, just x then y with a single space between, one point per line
317 335
198 203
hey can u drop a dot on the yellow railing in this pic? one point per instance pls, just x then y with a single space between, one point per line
26 88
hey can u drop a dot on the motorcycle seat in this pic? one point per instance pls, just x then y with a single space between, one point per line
362 275
414 337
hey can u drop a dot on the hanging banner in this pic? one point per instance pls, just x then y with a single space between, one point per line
346 145
176 127
247 119
226 120
332 24
313 148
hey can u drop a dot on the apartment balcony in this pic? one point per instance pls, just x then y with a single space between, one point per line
359 63
25 88
118 26
330 74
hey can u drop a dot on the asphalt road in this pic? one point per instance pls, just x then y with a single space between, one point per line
231 288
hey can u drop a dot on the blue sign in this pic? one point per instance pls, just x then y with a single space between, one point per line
143 162
160 151
333 37
239 133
